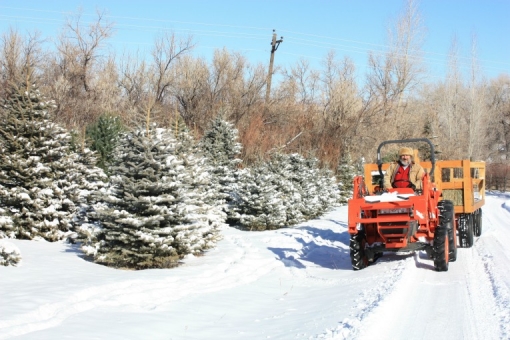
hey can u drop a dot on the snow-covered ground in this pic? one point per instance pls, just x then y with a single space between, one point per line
294 283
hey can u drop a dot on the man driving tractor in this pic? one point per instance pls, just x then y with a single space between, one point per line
404 173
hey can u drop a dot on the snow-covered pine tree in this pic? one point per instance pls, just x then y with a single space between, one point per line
259 204
282 192
188 150
286 172
184 136
318 186
220 145
154 209
330 192
203 188
346 173
36 195
88 181
305 176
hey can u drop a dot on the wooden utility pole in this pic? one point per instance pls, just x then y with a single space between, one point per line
274 46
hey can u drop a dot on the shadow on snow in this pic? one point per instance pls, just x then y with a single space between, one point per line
322 247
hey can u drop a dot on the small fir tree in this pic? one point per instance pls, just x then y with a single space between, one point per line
284 191
287 170
219 144
330 192
321 190
346 174
259 205
104 135
306 175
155 208
88 181
37 193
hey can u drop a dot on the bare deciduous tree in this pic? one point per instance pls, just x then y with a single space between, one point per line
478 112
341 102
76 68
79 48
394 74
133 80
19 54
166 52
190 89
498 128
301 82
449 107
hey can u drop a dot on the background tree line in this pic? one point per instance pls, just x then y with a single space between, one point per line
326 113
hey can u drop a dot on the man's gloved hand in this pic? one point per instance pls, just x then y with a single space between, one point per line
412 186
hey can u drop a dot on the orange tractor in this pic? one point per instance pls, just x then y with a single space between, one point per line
444 215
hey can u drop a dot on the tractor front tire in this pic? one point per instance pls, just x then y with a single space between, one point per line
441 249
357 244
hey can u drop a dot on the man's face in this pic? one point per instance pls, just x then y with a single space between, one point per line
405 159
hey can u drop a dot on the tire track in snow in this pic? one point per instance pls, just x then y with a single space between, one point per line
244 264
486 246
500 292
367 302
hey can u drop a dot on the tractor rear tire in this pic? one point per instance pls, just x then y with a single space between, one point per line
466 234
447 220
357 244
441 249
478 222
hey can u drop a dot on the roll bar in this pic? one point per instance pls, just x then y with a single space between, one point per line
411 140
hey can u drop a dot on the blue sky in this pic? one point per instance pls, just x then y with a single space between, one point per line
310 28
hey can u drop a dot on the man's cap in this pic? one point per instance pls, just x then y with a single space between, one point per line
405 151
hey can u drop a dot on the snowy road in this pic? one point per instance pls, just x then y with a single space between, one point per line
294 283
470 301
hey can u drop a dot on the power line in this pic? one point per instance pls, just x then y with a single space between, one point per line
315 36
214 33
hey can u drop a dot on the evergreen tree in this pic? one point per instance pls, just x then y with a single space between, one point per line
202 183
330 192
155 209
282 192
220 146
423 148
88 180
104 135
346 174
259 205
321 189
306 174
37 194
287 171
